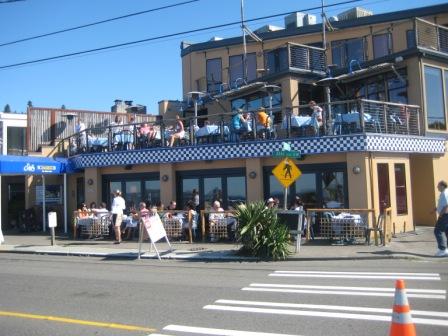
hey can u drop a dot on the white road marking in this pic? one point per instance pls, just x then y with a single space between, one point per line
360 273
367 289
330 307
221 332
368 317
354 276
334 292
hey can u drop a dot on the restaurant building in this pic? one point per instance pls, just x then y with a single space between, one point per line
382 143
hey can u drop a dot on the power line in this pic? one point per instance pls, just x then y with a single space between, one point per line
165 36
8 1
97 22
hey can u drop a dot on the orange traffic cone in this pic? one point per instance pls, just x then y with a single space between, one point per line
402 324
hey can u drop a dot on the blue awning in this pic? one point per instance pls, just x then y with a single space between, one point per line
31 165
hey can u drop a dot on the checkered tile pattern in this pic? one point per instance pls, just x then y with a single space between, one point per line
405 144
307 146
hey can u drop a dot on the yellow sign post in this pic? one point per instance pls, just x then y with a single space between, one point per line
286 173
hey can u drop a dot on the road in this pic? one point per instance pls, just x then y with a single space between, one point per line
47 295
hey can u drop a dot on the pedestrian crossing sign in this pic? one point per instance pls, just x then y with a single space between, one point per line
286 172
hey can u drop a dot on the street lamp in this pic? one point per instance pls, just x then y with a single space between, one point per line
195 96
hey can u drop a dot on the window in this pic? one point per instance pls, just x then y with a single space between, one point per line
345 51
410 38
277 60
383 186
214 74
400 189
435 106
319 185
382 45
135 188
236 68
16 140
226 186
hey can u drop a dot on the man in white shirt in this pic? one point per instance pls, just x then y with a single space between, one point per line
80 128
118 205
441 228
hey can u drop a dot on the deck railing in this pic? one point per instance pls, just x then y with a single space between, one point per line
338 118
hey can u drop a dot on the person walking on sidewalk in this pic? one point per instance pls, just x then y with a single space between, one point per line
118 205
441 228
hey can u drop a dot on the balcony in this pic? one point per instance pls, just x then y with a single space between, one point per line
431 36
344 118
296 57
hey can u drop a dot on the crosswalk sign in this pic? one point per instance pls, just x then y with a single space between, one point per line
286 172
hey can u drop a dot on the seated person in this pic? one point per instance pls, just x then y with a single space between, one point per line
83 212
179 131
131 223
239 124
217 217
101 211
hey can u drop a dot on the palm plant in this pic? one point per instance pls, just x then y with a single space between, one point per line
261 233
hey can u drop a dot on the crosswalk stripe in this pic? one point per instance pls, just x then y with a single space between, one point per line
360 273
367 289
334 292
368 317
354 276
329 307
220 332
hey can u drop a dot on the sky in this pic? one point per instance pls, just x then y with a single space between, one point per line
144 73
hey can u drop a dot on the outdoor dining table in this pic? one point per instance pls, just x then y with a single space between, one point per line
123 137
344 225
343 121
300 121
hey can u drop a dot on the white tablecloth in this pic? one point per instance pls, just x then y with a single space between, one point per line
300 121
343 221
210 130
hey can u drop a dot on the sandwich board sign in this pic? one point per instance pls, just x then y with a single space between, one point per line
154 227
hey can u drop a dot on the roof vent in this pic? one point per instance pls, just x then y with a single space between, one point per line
298 19
354 13
267 29
216 38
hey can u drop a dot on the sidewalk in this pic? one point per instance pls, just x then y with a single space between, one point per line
418 245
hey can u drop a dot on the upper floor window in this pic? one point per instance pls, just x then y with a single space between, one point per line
214 74
236 68
16 140
277 60
382 45
345 51
410 38
434 98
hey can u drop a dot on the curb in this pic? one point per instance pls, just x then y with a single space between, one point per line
213 257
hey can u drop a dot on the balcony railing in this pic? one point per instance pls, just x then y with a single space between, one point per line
431 36
338 118
296 57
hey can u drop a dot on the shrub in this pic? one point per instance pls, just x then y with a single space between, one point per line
261 233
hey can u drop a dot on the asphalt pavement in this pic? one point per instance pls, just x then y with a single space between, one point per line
79 295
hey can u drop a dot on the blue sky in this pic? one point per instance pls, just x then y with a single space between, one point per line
145 73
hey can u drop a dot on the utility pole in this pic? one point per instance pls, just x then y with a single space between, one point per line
327 69
243 28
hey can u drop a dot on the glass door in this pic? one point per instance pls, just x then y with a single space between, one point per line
212 191
133 193
383 186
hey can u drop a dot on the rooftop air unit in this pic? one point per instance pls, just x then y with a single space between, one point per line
354 13
294 20
267 29
309 19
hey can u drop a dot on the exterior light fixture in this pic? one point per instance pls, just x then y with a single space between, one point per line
90 181
165 178
356 170
252 174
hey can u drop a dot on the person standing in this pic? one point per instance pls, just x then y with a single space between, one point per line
118 205
195 199
441 228
316 115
